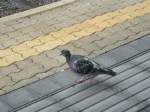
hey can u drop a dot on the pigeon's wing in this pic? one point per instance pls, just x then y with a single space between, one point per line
99 68
95 64
82 66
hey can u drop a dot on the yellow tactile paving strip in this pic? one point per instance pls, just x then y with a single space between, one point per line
65 35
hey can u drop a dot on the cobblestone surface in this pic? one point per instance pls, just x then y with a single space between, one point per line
130 61
32 64
24 29
74 32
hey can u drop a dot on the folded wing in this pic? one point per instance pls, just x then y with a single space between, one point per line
82 66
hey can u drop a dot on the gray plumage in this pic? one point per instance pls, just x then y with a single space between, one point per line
84 66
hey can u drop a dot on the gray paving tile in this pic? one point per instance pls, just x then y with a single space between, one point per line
68 110
19 97
144 95
38 105
123 105
123 67
127 103
140 107
140 59
77 98
4 107
125 52
128 73
132 63
146 38
134 79
44 86
147 109
107 59
71 91
140 45
53 108
91 100
100 106
66 77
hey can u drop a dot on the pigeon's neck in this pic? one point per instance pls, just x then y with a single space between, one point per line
68 59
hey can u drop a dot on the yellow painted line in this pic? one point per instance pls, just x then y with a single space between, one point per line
65 35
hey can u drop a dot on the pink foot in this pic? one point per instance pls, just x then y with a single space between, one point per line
79 81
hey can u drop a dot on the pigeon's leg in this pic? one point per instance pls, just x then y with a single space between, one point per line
81 80
84 79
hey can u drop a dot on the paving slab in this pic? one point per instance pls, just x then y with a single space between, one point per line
72 26
133 77
4 106
140 45
20 97
30 47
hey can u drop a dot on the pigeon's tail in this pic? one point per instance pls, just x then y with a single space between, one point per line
107 71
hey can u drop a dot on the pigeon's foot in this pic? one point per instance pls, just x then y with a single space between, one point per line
78 81
84 79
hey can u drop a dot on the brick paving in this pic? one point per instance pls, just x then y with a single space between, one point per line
74 32
128 91
22 71
23 29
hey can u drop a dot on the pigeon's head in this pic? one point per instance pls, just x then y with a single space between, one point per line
66 53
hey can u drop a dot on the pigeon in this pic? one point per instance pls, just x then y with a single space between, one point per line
84 66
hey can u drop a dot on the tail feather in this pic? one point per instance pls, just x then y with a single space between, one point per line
108 71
